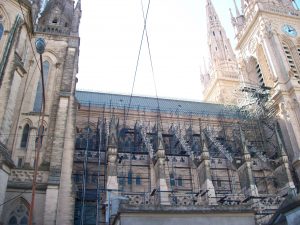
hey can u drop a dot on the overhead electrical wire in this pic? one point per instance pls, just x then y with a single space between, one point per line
138 58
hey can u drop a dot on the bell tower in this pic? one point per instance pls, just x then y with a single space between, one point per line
222 78
57 24
268 34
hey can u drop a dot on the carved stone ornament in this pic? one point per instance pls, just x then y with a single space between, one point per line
252 46
283 111
266 29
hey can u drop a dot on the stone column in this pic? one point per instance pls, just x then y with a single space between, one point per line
289 122
204 173
10 106
282 172
112 176
5 166
247 182
273 54
161 180
194 173
112 185
52 193
66 198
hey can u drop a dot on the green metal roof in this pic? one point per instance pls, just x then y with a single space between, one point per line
181 107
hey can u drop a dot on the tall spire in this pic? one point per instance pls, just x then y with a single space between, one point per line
219 45
76 17
223 76
236 8
243 6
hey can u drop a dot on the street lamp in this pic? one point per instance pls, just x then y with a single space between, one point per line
40 45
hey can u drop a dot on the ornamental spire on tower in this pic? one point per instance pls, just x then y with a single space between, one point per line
219 45
223 75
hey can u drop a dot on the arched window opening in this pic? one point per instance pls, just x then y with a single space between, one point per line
219 183
55 21
19 215
290 59
129 177
39 91
172 180
40 132
1 30
24 221
298 51
138 180
25 136
13 221
179 181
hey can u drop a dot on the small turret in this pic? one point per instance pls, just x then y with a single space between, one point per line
76 17
219 45
238 21
35 9
59 17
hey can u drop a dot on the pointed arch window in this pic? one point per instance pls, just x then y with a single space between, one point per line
172 180
19 216
13 221
25 136
129 177
24 221
1 30
138 180
39 91
179 181
40 132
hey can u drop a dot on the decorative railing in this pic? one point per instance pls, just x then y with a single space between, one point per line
53 29
18 175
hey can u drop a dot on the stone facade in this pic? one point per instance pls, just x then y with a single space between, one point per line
210 156
21 103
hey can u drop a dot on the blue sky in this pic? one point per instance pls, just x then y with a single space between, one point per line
110 37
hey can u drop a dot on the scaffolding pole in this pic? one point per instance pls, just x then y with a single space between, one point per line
98 213
85 170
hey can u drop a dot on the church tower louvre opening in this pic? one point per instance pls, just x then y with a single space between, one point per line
126 159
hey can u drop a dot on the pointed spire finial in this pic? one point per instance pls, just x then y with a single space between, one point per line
245 146
78 5
243 6
204 144
236 9
233 20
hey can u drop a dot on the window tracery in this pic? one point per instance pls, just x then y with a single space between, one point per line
19 216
